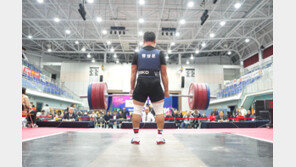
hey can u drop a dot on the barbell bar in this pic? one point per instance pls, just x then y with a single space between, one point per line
198 96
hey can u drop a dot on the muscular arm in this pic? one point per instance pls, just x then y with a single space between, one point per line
133 76
164 77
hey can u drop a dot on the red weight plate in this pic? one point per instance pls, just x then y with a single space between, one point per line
99 96
203 96
93 95
103 101
191 99
106 93
199 96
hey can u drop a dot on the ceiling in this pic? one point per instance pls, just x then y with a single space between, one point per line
253 21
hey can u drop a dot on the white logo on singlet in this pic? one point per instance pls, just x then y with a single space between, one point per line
153 56
148 56
143 72
143 55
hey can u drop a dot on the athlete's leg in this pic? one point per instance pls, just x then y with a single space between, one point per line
159 117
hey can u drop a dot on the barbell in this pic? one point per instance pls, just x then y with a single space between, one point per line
198 96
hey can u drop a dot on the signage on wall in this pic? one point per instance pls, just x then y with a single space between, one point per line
31 72
190 72
94 74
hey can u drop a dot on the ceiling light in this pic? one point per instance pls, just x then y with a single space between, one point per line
177 34
140 33
88 55
173 43
117 61
141 20
115 55
67 31
166 57
112 50
222 23
169 51
40 1
56 19
229 52
247 40
83 49
197 51
191 57
212 35
187 62
136 50
182 21
99 19
104 32
30 36
108 42
203 44
90 1
141 2
190 4
76 42
237 5
49 50
141 43
93 60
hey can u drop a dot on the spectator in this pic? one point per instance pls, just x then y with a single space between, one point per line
125 112
249 115
212 117
46 110
107 119
58 115
243 111
221 117
79 113
214 111
233 116
169 117
151 110
239 117
186 122
147 116
70 115
195 122
178 115
26 107
74 107
120 118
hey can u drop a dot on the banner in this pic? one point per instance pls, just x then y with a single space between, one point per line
31 72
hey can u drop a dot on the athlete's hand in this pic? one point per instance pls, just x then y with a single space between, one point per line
131 91
166 94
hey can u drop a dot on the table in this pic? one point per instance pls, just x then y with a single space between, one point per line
244 124
148 125
68 124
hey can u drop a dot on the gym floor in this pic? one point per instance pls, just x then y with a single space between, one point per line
111 147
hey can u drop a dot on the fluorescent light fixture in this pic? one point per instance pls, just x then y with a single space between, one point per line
117 61
247 40
112 50
173 43
142 2
166 57
182 21
104 32
169 51
83 49
229 52
49 50
222 23
140 33
141 20
197 51
212 35
90 1
99 19
177 34
88 55
190 4
191 57
76 42
187 62
203 44
30 36
108 42
237 5
115 55
40 1
93 60
67 31
56 19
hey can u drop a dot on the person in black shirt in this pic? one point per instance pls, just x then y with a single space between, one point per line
107 118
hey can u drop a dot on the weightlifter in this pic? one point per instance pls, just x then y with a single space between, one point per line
149 63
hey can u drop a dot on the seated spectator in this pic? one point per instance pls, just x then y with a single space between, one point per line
214 111
120 118
71 116
221 117
243 111
46 110
107 119
125 112
239 117
232 116
169 117
147 116
186 122
177 115
79 113
58 115
113 121
195 122
212 117
249 115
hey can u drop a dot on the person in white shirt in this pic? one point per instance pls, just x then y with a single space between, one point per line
243 111
147 116
46 110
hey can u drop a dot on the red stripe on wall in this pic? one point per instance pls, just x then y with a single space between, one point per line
268 52
251 60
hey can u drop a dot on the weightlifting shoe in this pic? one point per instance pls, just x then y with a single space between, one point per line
135 140
160 140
